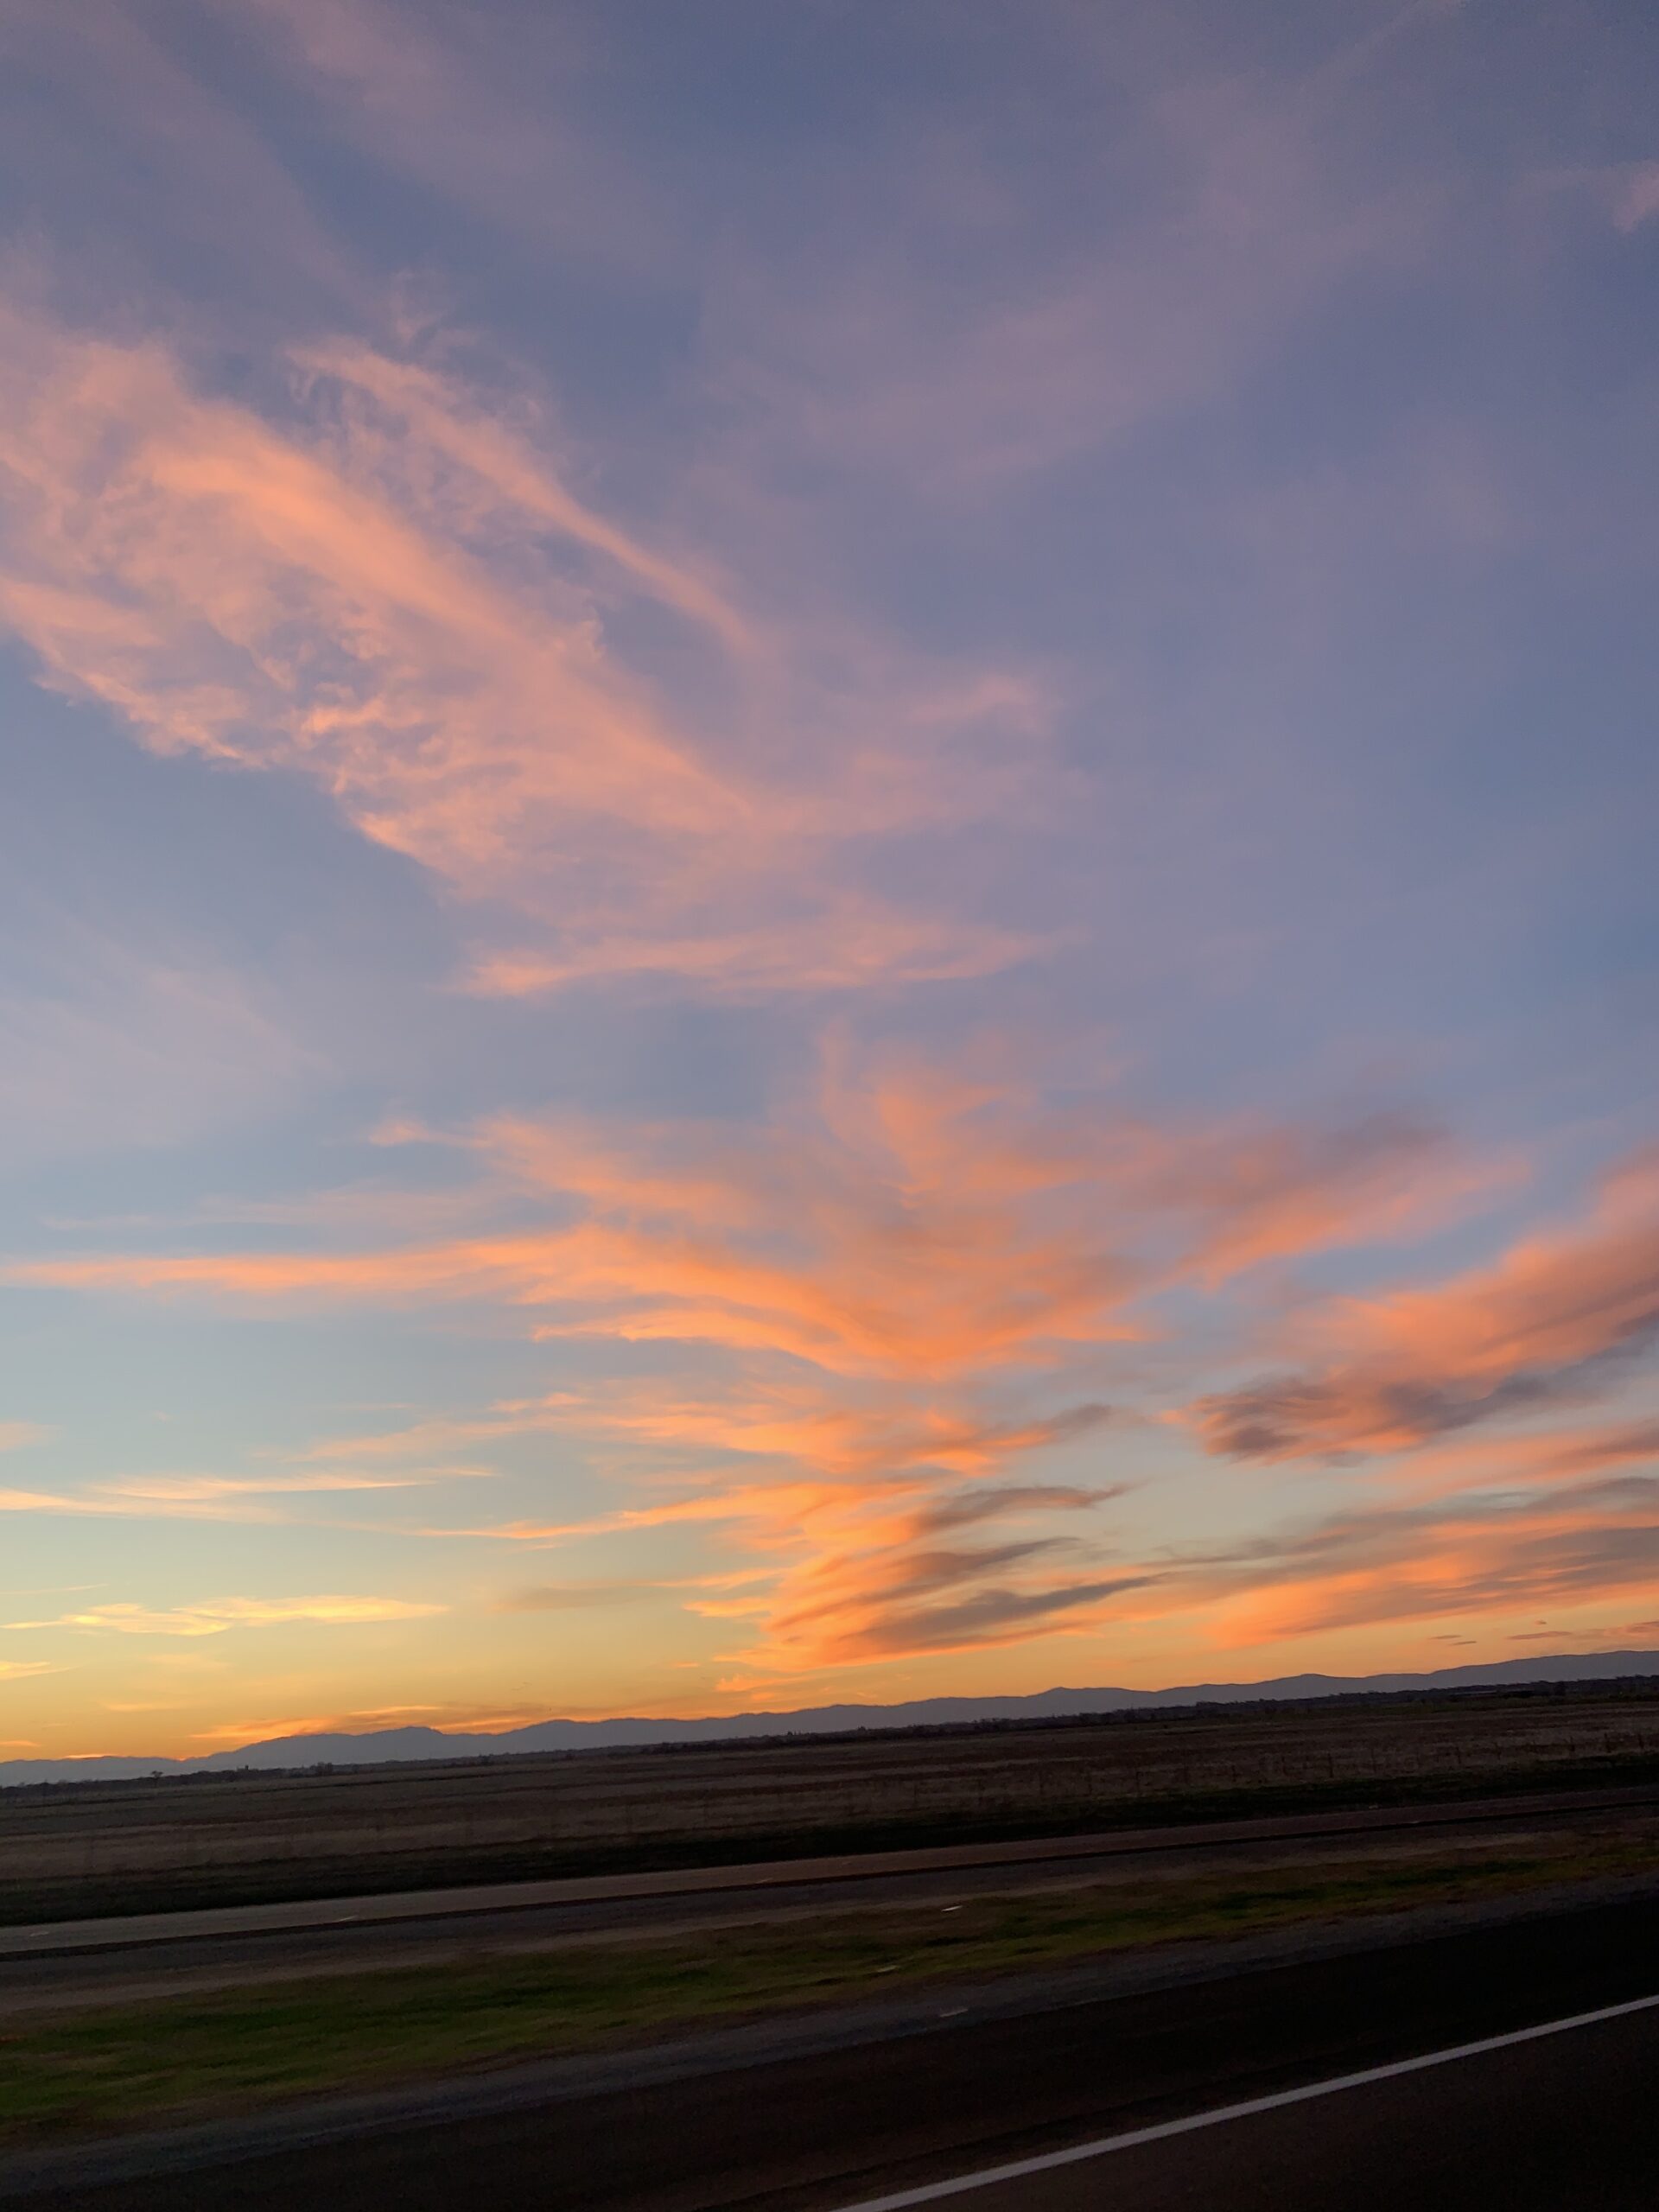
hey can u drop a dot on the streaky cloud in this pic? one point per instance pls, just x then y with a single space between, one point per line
1541 1325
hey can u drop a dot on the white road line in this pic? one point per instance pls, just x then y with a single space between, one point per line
931 2191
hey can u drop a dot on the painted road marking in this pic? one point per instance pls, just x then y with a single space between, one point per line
931 2191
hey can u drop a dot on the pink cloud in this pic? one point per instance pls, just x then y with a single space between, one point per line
962 341
876 1303
1635 197
1537 1325
1493 1554
383 588
503 129
906 1221
1628 192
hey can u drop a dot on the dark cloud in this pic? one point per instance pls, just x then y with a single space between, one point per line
994 1616
966 1508
1344 1414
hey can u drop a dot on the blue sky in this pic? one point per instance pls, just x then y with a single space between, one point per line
827 854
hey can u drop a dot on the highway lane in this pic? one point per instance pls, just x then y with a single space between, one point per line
1570 2120
1512 2122
85 1961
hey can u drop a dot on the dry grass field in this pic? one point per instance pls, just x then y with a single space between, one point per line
86 1848
190 2055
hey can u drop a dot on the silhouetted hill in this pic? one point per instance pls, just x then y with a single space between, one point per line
384 1745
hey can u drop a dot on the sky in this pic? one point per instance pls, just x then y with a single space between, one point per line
826 866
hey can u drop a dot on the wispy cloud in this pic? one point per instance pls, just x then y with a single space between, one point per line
214 1617
114 1044
960 336
879 1298
760 642
1491 1553
209 1498
488 1719
599 1593
1635 195
506 133
1540 1326
185 1490
1628 192
882 1577
381 587
189 178
906 1219
95 1504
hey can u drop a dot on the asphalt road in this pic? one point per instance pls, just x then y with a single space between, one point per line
1565 2118
1568 2120
90 1961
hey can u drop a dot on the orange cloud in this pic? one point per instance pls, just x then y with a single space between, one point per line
383 588
882 1576
1480 1458
506 468
843 944
1538 1325
800 1423
904 1221
862 1569
876 1300
1492 1553
898 1243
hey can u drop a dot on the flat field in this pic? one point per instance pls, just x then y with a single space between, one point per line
69 1849
92 2067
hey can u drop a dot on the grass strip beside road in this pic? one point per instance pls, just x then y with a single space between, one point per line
174 2059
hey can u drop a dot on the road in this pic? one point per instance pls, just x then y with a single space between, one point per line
1561 2123
159 1953
1525 2118
1569 2120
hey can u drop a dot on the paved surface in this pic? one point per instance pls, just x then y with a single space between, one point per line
159 1953
1557 2123
1570 2121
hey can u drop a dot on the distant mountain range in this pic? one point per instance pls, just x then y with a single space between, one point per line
384 1745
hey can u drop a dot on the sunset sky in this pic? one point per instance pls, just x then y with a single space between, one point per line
827 860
